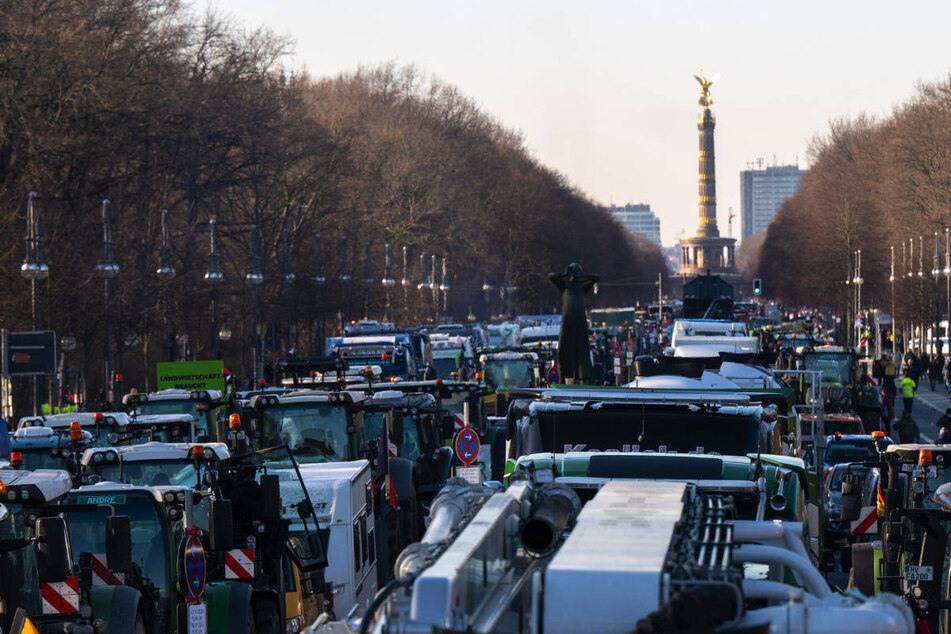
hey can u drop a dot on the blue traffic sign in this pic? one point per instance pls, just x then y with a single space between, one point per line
194 560
553 376
467 445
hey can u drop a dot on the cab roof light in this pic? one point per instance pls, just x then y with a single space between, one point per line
75 431
16 458
99 418
838 434
924 457
878 434
234 421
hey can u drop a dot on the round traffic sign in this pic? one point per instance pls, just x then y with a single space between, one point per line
467 445
194 560
553 376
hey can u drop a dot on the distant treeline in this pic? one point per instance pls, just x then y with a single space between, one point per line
872 185
151 106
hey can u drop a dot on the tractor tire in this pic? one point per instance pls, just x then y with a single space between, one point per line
266 619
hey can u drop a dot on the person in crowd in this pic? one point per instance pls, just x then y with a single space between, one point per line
907 429
908 386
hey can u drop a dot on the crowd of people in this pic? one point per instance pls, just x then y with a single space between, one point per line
904 382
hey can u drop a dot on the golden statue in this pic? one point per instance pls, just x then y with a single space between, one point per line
705 100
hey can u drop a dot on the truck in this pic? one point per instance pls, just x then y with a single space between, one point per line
452 357
42 572
394 353
630 555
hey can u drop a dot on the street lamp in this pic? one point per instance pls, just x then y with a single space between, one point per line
319 280
107 269
214 278
891 280
444 288
287 279
344 277
367 280
387 281
405 282
253 278
487 289
166 273
35 270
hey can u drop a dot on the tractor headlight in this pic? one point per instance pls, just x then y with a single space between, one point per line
97 458
293 625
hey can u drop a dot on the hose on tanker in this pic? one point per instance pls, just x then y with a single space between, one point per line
697 610
370 617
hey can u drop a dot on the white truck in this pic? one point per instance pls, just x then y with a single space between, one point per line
342 495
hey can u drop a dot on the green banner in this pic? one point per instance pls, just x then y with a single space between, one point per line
191 375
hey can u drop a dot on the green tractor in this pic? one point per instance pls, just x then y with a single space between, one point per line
47 580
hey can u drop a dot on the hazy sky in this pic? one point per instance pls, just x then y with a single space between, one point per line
602 90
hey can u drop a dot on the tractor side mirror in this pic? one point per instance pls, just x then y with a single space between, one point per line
851 498
271 496
394 422
119 543
52 558
220 527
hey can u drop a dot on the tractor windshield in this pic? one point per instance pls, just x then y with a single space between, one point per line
836 367
374 421
40 459
508 373
19 585
201 411
314 432
150 472
151 541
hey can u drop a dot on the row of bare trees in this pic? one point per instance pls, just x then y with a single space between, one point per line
879 186
152 107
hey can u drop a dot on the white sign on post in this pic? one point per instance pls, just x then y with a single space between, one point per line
197 618
470 474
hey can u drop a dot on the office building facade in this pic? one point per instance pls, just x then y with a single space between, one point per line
638 218
762 191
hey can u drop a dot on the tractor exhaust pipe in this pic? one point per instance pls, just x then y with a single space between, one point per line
778 502
556 506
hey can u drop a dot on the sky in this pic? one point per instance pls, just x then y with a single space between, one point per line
602 91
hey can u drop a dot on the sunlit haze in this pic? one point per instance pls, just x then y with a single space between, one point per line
603 93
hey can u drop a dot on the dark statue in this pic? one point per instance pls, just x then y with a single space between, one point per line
574 357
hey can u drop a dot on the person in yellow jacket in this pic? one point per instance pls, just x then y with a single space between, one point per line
907 387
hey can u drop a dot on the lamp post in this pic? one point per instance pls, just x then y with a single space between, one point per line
287 280
891 281
857 280
214 278
935 272
387 281
35 270
107 269
444 288
421 286
947 277
253 278
434 289
487 289
367 280
405 282
165 273
319 280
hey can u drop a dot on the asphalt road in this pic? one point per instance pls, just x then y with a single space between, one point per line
927 408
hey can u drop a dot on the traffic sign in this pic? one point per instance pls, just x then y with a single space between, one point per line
29 353
553 376
467 445
194 561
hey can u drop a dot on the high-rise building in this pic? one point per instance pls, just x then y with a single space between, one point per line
762 191
638 218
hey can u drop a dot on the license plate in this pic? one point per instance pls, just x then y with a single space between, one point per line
919 573
918 471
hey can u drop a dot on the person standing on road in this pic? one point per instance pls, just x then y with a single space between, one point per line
907 387
888 401
907 429
934 370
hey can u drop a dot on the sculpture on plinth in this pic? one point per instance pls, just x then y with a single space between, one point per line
574 356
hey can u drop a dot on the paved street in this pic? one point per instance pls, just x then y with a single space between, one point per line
928 407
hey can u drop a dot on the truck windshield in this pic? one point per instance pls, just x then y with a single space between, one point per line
204 421
150 538
150 472
445 367
835 367
501 374
19 586
314 432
